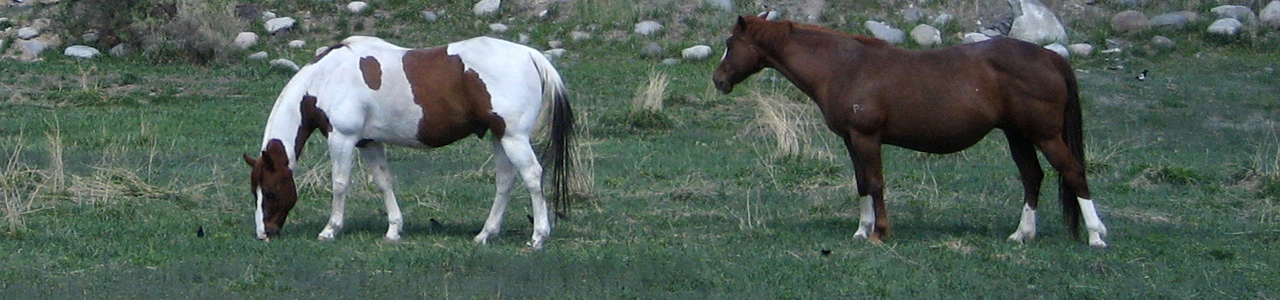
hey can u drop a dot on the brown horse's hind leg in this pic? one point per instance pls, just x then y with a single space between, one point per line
1024 156
1073 174
873 222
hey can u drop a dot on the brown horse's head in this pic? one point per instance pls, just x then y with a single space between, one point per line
271 183
742 56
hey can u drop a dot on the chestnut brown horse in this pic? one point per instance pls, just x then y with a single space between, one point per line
936 101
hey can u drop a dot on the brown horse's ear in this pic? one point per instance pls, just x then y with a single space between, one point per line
267 162
249 160
742 24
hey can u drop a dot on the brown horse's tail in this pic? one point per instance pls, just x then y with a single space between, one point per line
558 152
1073 134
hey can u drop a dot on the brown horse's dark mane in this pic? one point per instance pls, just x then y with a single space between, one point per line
775 31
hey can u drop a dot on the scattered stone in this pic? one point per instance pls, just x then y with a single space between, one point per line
285 64
651 50
926 35
1225 26
260 55
885 32
554 54
555 44
30 49
430 16
771 15
913 14
297 44
357 6
671 61
648 27
244 40
942 19
579 35
119 50
698 52
1034 22
991 32
89 37
321 50
1129 21
486 7
1080 49
1060 49
267 15
725 5
277 25
81 51
523 38
1162 42
1169 20
973 37
1270 15
28 33
1238 12
498 27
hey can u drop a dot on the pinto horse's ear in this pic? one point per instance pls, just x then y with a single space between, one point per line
249 160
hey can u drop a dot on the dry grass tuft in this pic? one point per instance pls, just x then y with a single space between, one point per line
649 97
781 120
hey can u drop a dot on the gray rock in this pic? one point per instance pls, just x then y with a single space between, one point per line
1162 42
260 55
522 38
914 14
647 27
28 33
554 54
651 50
1034 22
885 32
942 19
244 40
498 27
1129 21
119 50
357 6
991 32
555 44
297 44
284 64
1169 20
89 37
973 37
486 7
579 35
279 24
725 5
31 49
1225 26
1060 49
1128 3
1238 12
267 15
671 61
321 50
698 52
1080 49
926 35
1270 15
81 51
430 16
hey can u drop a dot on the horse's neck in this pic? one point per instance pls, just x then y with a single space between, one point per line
284 122
808 71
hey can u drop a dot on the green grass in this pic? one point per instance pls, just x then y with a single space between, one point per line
1182 166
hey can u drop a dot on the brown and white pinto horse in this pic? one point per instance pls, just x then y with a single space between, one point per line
365 92
937 101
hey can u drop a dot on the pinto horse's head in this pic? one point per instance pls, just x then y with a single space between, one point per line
742 56
271 183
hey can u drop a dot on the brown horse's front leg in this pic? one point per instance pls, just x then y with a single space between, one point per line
873 222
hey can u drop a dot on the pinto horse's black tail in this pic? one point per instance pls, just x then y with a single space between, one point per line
558 152
1073 135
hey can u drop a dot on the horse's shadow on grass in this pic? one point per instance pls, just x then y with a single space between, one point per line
413 227
902 230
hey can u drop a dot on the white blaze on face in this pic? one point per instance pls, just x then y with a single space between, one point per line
257 216
726 54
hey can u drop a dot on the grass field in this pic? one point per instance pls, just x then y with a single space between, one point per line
112 165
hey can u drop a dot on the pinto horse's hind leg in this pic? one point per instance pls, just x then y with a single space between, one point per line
505 178
340 153
526 162
1024 156
376 157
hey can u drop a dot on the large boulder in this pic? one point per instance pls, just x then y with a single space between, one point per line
1129 21
885 32
1034 22
926 35
357 6
279 24
1270 15
244 40
81 51
1176 20
1239 12
1225 26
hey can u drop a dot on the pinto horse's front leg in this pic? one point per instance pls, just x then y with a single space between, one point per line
341 148
376 157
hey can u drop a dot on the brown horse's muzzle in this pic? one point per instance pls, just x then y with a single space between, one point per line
723 85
